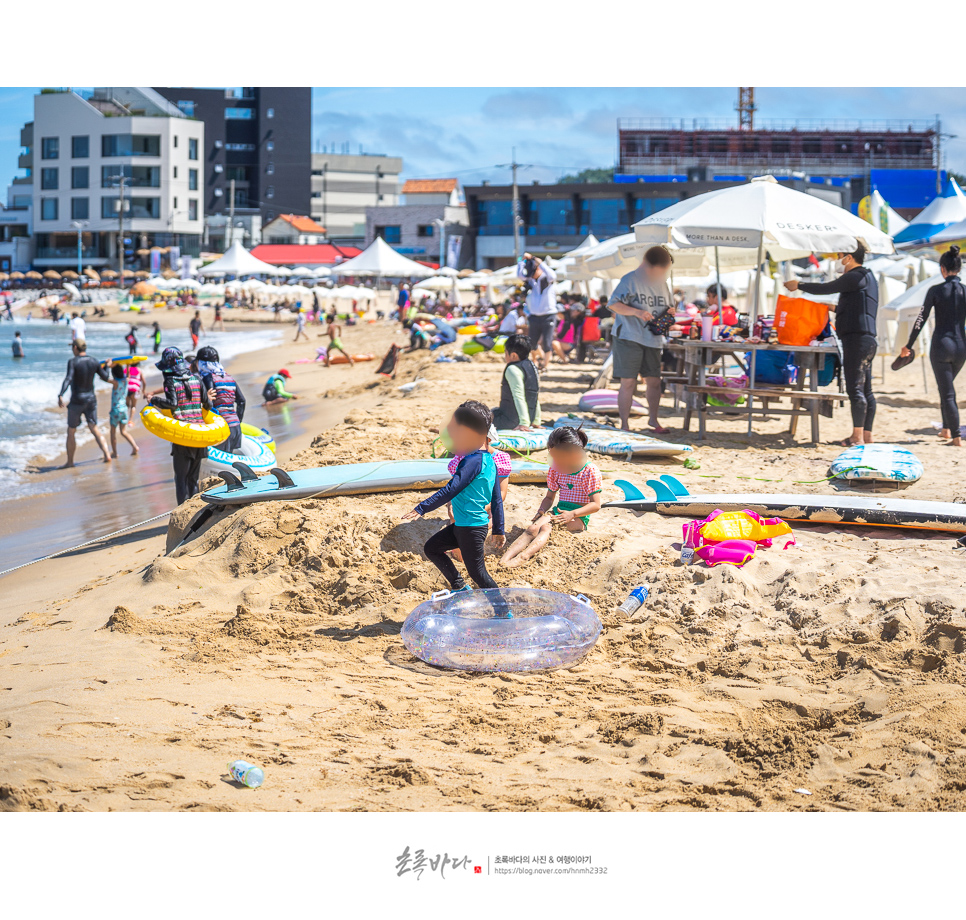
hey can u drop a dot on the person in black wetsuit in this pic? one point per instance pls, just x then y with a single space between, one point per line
947 353
81 370
855 320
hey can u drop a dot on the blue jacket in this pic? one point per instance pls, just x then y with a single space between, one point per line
474 486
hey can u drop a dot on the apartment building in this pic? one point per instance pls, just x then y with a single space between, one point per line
345 185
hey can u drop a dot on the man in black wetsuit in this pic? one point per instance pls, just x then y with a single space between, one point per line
81 370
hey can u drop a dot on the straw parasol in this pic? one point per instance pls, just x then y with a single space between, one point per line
108 273
90 273
128 273
142 274
4 276
70 275
16 276
167 274
52 275
143 252
143 289
34 276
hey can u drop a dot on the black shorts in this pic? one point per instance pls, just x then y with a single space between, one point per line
86 406
542 329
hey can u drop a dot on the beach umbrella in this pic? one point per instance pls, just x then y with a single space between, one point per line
932 222
322 272
142 275
93 275
34 276
436 283
302 270
69 274
109 273
4 276
282 271
449 272
51 275
16 276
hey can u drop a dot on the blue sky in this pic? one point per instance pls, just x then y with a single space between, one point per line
466 132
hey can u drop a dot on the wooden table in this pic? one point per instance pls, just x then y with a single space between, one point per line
698 355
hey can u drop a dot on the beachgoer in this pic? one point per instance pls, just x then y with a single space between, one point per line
81 370
541 305
947 353
472 488
573 322
300 324
226 396
135 383
195 327
156 338
184 395
520 389
334 331
639 297
574 483
17 345
274 391
132 341
727 315
78 328
402 301
119 414
855 325
219 323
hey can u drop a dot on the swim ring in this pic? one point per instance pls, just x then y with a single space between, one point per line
160 422
259 434
252 453
472 348
469 330
469 630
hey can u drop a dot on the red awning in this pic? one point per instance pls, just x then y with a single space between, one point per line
291 254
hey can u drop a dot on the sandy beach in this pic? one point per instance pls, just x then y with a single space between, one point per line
130 677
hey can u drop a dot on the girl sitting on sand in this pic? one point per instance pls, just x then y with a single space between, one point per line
578 485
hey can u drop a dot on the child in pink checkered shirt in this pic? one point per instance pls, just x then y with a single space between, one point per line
574 483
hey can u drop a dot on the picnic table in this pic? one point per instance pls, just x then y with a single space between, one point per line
698 355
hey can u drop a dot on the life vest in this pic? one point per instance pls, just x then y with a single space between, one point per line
531 392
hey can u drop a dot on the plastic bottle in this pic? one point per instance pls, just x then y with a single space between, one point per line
246 773
635 600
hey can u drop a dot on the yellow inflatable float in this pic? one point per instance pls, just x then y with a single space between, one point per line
259 434
469 330
162 423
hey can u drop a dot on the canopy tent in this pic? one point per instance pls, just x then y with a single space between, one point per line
874 209
382 260
944 210
954 233
237 260
571 267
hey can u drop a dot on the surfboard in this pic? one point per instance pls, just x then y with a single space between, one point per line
671 497
523 441
877 463
605 402
612 442
126 360
347 479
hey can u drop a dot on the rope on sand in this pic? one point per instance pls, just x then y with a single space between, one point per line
72 549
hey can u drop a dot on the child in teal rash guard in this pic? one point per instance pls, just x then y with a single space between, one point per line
474 486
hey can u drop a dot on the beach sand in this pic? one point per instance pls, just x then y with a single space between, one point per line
130 678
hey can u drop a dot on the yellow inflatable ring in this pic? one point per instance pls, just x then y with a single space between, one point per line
469 330
160 422
259 434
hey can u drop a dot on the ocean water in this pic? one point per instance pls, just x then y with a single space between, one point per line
32 428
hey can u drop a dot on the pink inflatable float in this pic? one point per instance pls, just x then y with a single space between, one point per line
605 403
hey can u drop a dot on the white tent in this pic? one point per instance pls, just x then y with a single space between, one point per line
877 212
302 270
322 272
238 261
382 260
931 222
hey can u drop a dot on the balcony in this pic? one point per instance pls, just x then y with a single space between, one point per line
66 252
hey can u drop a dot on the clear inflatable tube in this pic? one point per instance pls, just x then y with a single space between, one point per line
253 453
470 630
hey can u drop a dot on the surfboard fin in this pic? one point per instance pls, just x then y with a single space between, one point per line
676 486
246 473
283 479
631 492
231 480
662 491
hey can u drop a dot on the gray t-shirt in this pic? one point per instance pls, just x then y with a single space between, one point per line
635 290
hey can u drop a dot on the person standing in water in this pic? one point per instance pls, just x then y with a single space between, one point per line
156 338
81 370
195 327
119 413
947 353
17 345
132 341
855 322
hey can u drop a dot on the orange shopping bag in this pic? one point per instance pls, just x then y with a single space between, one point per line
798 321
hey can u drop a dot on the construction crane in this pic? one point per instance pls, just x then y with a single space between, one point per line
746 108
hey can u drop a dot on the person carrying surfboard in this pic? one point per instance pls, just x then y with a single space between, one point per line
334 331
474 486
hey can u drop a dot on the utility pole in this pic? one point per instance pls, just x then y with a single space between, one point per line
231 213
517 219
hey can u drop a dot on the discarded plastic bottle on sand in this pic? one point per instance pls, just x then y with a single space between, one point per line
246 773
634 600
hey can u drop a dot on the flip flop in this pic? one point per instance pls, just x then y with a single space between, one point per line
901 362
658 429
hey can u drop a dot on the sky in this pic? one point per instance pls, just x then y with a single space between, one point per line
469 132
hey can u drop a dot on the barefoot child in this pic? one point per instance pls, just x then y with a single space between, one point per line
118 417
334 332
575 481
474 486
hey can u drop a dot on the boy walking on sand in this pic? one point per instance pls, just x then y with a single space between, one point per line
334 332
474 486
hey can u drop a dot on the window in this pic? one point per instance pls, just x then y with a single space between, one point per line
174 140
240 147
175 174
192 209
193 180
235 114
80 208
424 230
174 204
192 148
270 192
50 148
391 234
270 113
551 215
80 177
270 169
49 177
48 209
131 145
134 208
238 173
80 147
495 217
269 146
135 176
187 106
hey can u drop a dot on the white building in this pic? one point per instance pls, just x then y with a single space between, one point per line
344 185
81 147
293 229
16 223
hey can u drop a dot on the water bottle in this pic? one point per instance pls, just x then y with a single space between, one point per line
246 773
634 600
